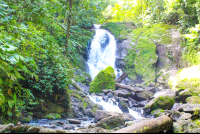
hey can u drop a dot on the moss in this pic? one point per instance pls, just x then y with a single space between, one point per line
193 100
163 103
104 80
157 112
143 57
119 29
53 116
187 78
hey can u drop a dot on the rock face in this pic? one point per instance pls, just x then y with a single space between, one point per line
105 79
111 122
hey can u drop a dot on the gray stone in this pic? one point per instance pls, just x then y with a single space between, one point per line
111 122
6 128
185 116
73 121
33 129
69 127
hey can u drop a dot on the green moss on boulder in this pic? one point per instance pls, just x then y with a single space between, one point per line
162 102
193 100
104 80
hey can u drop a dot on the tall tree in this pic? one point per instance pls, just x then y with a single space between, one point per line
68 25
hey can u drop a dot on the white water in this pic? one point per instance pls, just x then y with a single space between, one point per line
102 52
102 55
111 105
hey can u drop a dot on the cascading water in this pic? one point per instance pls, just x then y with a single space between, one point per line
102 52
101 55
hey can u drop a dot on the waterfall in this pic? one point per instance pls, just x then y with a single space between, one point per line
102 52
101 55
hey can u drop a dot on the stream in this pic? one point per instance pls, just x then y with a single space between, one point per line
102 53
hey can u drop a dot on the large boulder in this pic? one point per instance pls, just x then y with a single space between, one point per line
100 114
143 95
164 102
111 122
6 128
183 126
105 79
183 95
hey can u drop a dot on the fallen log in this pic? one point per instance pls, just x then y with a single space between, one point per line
123 76
149 126
128 87
76 85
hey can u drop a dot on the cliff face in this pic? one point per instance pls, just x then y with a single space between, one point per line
165 64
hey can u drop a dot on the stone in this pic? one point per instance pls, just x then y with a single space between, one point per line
93 130
105 79
129 123
20 129
183 95
143 95
151 89
123 106
69 127
185 116
122 93
6 128
164 102
63 131
33 129
100 114
47 130
73 121
183 126
106 91
111 122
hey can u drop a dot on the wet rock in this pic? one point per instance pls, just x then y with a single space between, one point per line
47 130
111 122
63 131
122 93
33 129
6 128
123 106
185 116
93 129
164 102
129 123
144 95
69 127
151 89
100 114
183 95
20 129
183 126
73 121
106 91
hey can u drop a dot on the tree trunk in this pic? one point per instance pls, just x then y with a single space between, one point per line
68 26
127 87
149 126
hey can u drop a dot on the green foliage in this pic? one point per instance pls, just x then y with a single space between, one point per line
193 100
105 79
119 29
32 39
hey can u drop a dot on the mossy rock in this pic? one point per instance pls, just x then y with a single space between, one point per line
161 102
193 100
104 80
158 112
187 78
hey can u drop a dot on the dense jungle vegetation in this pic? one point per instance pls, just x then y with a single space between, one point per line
43 42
